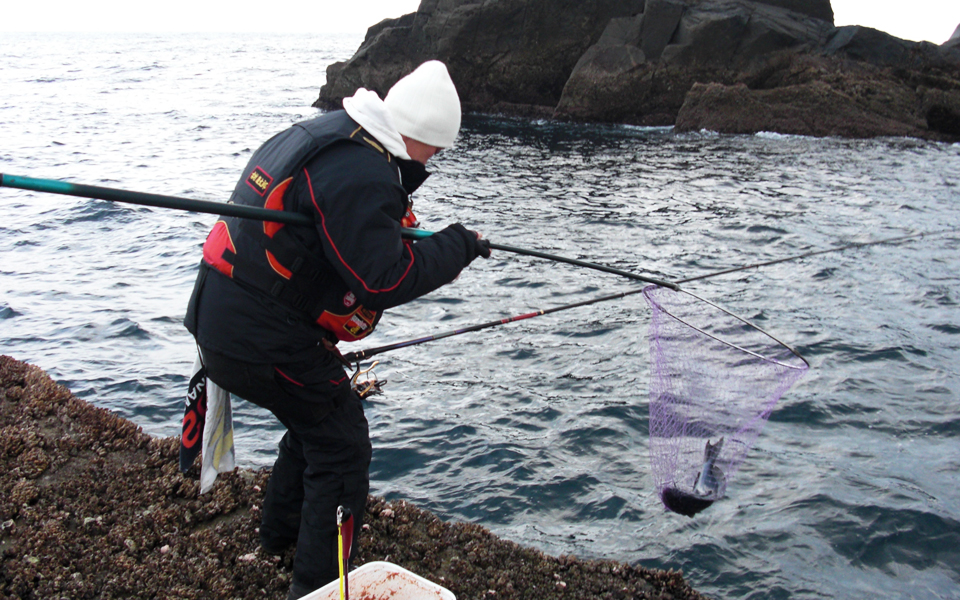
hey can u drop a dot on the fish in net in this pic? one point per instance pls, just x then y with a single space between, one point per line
714 379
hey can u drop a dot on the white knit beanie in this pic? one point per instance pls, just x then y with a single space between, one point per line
425 106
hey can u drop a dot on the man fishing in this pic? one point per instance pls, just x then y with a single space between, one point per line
272 300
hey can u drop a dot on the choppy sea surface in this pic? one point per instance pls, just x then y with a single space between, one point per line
537 429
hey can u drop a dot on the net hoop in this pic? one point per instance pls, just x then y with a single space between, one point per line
803 367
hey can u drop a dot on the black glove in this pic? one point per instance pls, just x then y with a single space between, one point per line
483 247
476 246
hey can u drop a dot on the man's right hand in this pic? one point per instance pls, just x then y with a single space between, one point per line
482 246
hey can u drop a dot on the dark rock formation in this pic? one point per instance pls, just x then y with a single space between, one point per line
511 52
91 507
954 41
815 108
659 20
712 41
863 83
693 63
941 108
875 47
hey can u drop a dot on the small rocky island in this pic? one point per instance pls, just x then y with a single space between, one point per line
730 66
91 507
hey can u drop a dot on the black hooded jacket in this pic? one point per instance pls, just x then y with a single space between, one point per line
357 194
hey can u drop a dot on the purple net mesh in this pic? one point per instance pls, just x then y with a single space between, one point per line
714 379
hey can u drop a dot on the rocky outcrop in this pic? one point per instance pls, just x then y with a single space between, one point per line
829 104
954 41
694 63
500 53
862 83
679 45
878 48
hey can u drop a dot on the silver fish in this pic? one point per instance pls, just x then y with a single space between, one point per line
710 479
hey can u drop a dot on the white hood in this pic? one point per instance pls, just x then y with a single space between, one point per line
367 109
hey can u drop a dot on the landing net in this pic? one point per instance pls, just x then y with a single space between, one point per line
714 379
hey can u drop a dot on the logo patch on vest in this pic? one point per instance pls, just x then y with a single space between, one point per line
359 322
259 180
349 299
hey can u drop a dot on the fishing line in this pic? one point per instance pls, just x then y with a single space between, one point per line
818 252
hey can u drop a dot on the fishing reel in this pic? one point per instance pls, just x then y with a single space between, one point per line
370 385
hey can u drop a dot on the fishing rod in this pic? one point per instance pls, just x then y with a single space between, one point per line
261 214
353 357
52 186
417 234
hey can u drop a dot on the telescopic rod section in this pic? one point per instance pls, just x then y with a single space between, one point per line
114 195
417 234
260 214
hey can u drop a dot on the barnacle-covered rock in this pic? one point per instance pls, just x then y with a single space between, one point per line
90 507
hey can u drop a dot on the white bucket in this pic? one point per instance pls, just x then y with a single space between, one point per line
376 580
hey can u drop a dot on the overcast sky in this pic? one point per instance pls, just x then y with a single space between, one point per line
931 20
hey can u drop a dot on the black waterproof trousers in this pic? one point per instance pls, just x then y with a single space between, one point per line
323 461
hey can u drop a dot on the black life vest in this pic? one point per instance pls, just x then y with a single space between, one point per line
267 255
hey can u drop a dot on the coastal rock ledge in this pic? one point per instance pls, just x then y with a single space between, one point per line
91 507
731 66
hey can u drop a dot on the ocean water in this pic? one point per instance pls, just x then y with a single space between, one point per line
537 429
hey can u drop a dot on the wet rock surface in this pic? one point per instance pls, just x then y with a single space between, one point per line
91 507
646 62
820 96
